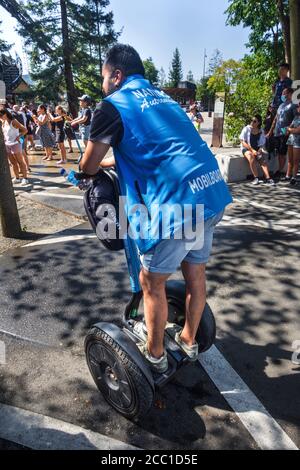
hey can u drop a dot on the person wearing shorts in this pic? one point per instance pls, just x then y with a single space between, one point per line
12 131
284 118
161 160
293 143
59 121
253 141
84 118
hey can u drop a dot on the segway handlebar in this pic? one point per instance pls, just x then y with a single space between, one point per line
78 178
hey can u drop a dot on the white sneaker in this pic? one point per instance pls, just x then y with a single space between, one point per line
255 181
16 180
160 366
24 182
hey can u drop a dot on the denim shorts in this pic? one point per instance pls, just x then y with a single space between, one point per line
85 132
167 255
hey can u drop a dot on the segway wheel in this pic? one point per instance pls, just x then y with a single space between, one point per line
206 334
116 375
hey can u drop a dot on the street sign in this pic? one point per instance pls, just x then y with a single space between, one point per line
2 91
219 114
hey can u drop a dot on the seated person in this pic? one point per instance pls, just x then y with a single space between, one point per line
252 143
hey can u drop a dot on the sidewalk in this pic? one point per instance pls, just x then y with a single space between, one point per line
49 188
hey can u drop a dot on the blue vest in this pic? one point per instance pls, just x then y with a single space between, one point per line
161 158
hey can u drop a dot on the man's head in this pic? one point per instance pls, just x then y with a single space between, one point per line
16 108
284 70
121 61
84 101
287 94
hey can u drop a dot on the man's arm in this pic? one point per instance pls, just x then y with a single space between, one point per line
271 131
93 156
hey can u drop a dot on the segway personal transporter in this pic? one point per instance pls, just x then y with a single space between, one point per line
119 370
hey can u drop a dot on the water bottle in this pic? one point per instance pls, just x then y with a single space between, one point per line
284 130
71 177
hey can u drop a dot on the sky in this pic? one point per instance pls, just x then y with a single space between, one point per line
156 27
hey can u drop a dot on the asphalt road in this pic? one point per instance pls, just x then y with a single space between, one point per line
52 293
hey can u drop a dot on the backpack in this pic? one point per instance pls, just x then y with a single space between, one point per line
101 202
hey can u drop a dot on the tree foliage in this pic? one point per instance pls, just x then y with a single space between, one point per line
190 76
162 78
248 87
151 72
175 74
4 45
215 62
267 21
91 34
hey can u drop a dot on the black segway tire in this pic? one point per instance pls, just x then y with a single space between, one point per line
119 379
206 334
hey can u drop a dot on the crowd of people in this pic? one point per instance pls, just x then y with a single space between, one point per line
278 136
23 125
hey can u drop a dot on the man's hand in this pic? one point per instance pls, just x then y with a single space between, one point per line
93 156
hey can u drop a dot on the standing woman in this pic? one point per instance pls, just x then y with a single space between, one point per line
12 131
294 149
44 131
60 136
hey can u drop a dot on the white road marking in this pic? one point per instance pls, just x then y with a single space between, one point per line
40 432
267 207
61 239
63 196
263 428
279 225
24 338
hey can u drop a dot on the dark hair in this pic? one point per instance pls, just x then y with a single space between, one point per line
259 119
7 113
289 90
61 109
42 106
126 59
285 65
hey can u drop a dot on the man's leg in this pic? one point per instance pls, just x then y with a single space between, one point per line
282 162
195 279
155 310
289 172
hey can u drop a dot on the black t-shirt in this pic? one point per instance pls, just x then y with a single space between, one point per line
254 141
60 125
18 117
107 126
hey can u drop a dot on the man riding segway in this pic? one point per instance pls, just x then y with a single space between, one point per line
161 160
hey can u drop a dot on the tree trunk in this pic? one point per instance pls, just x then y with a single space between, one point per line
295 38
10 221
71 92
285 25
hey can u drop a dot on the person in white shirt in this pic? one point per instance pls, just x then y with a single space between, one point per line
253 140
12 131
